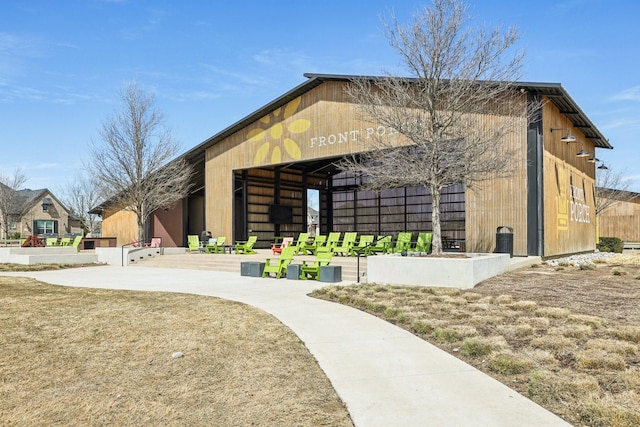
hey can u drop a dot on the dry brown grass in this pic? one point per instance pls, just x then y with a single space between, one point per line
72 356
568 339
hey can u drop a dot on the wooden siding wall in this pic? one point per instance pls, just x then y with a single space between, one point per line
120 224
621 219
569 200
500 202
319 124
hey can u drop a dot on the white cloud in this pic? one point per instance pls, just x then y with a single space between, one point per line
629 94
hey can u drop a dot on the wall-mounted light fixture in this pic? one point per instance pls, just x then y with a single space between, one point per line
567 137
593 160
603 166
582 152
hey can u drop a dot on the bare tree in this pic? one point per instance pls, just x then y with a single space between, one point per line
611 188
80 195
134 165
9 186
458 78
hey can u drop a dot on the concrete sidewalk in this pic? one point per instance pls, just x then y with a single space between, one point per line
385 375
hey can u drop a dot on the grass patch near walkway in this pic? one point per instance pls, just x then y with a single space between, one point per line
73 356
569 339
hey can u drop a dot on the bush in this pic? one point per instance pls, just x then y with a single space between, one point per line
610 244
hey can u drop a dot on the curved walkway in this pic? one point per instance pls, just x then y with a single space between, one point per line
386 376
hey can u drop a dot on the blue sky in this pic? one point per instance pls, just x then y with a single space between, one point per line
212 63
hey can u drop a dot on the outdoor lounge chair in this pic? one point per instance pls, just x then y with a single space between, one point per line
155 242
65 241
299 244
347 243
332 241
314 244
279 266
312 272
51 241
403 243
423 244
381 245
247 247
76 242
216 245
277 248
364 241
193 242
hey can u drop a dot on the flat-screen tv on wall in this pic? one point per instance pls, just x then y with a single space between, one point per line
280 214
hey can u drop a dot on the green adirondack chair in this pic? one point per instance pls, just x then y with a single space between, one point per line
313 244
423 244
403 243
217 246
193 242
279 265
347 243
76 242
312 271
51 241
300 243
332 241
381 245
65 241
247 247
364 241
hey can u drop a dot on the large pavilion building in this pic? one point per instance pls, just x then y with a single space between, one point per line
257 176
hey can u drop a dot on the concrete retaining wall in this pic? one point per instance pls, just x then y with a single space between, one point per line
459 272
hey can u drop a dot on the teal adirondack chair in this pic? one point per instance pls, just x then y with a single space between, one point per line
312 271
364 241
279 266
423 244
381 245
247 247
347 243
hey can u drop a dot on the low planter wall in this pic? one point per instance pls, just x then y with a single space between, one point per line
459 272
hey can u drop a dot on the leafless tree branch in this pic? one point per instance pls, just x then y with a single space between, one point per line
9 185
134 163
452 115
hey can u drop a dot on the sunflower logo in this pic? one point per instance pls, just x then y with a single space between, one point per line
275 139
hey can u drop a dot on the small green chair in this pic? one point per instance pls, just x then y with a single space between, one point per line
332 241
279 266
312 272
193 242
381 245
314 244
247 247
346 245
364 241
423 244
65 241
217 246
76 242
301 242
403 243
51 241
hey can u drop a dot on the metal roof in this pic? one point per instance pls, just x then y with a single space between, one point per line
554 91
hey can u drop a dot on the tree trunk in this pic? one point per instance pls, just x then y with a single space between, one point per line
436 243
